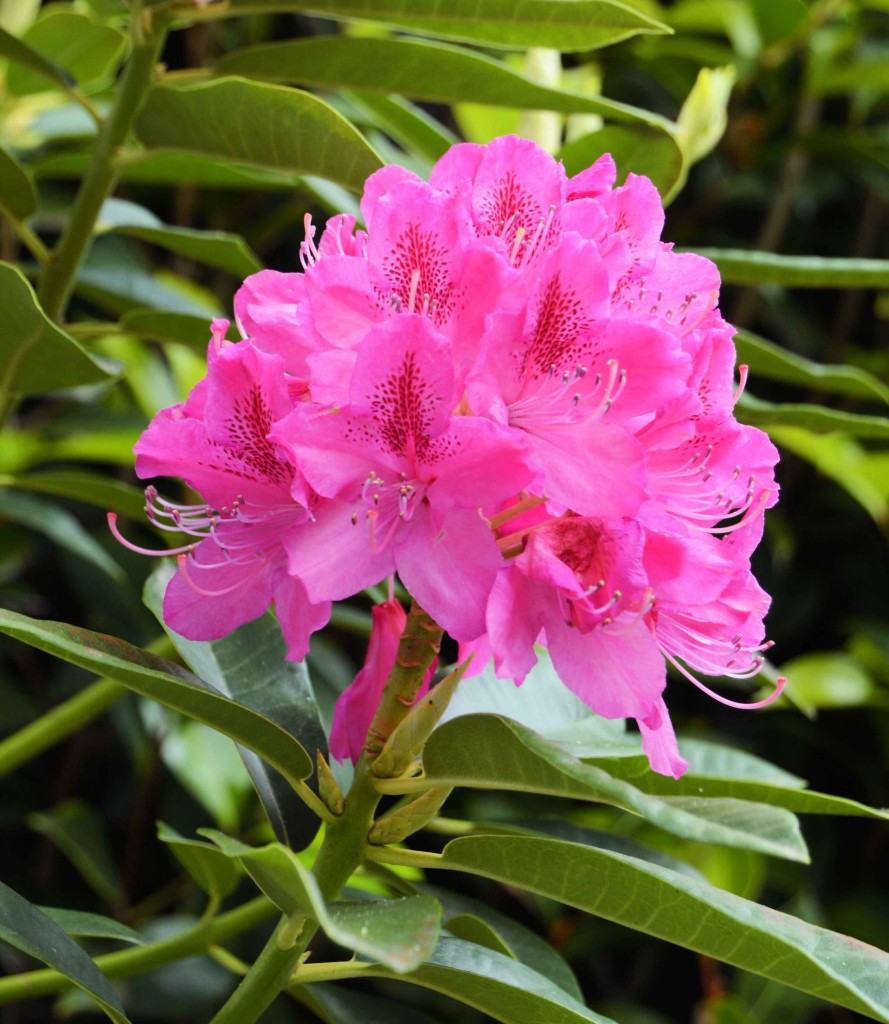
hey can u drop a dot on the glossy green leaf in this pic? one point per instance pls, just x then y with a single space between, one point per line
833 679
637 149
428 71
670 906
60 526
462 914
93 926
250 665
88 51
213 871
740 266
816 418
78 830
17 192
35 355
164 682
26 928
82 485
503 988
561 24
505 755
19 53
400 933
766 359
261 125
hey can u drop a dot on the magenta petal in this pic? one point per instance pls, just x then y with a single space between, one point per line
357 704
450 569
298 617
659 742
618 673
210 597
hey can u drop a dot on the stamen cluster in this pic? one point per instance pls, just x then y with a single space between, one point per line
510 392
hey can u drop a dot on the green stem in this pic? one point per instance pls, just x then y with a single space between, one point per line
191 942
344 847
58 723
148 31
64 719
28 239
406 858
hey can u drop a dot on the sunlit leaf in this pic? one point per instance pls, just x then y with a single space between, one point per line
257 124
35 355
87 51
815 418
423 70
740 266
562 24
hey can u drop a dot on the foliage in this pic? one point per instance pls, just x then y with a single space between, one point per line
155 152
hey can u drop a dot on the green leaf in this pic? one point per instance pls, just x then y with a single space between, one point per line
215 248
671 906
841 459
24 926
24 56
93 926
213 871
399 933
637 149
164 682
561 24
428 71
816 418
90 488
739 266
37 356
406 122
461 914
89 52
17 192
506 755
261 125
60 526
183 328
497 985
766 359
832 679
250 665
79 832
336 1004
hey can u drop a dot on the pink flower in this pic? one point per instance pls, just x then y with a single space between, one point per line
508 390
217 441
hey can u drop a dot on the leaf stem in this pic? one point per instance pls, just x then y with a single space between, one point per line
28 238
404 858
148 30
191 942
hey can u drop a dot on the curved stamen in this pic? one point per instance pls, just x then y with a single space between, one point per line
118 536
742 373
780 683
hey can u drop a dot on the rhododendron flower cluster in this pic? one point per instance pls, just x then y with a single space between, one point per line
508 391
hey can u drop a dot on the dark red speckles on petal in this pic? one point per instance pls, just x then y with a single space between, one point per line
248 452
417 268
559 323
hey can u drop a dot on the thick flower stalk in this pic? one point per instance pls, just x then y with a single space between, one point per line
508 391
